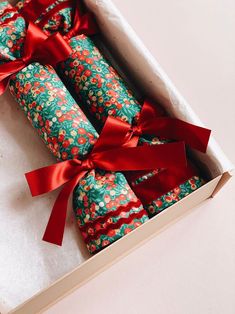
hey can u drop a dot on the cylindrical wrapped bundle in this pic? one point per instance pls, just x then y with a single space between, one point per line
89 75
101 198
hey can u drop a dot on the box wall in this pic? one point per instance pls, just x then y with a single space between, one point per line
116 251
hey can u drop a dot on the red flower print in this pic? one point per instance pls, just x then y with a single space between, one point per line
90 231
58 113
158 203
127 230
82 140
108 104
112 204
66 144
74 150
90 135
61 138
151 209
111 233
119 106
87 73
54 140
81 131
89 61
122 197
177 190
86 52
168 199
92 248
105 242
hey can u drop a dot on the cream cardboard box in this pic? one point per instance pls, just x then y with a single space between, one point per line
34 274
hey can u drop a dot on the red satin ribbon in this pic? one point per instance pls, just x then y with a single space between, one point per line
37 47
107 155
32 10
161 183
150 123
82 23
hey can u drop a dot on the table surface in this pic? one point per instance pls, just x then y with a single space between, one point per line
190 267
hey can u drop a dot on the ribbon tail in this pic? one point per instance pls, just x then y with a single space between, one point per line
142 157
6 70
175 129
162 182
46 179
55 228
3 85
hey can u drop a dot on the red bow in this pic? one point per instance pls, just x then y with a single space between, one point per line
107 154
37 47
152 123
82 23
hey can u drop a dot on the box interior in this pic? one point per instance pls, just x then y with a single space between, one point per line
24 258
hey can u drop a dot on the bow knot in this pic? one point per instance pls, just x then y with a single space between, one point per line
37 47
87 164
151 122
105 156
27 59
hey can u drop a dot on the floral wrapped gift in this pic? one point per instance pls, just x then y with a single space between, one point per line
103 92
105 206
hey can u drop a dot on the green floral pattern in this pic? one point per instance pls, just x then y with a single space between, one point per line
102 91
101 196
174 196
96 83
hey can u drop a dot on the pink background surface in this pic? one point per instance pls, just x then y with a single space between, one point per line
190 267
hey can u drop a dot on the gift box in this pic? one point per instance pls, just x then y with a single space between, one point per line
74 265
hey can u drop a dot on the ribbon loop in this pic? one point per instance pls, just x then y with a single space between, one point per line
107 157
152 122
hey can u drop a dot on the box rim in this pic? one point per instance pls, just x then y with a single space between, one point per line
41 294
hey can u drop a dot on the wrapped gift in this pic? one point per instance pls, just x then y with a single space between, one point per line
102 199
101 91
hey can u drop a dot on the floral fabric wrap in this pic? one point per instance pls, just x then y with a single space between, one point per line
102 198
95 83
